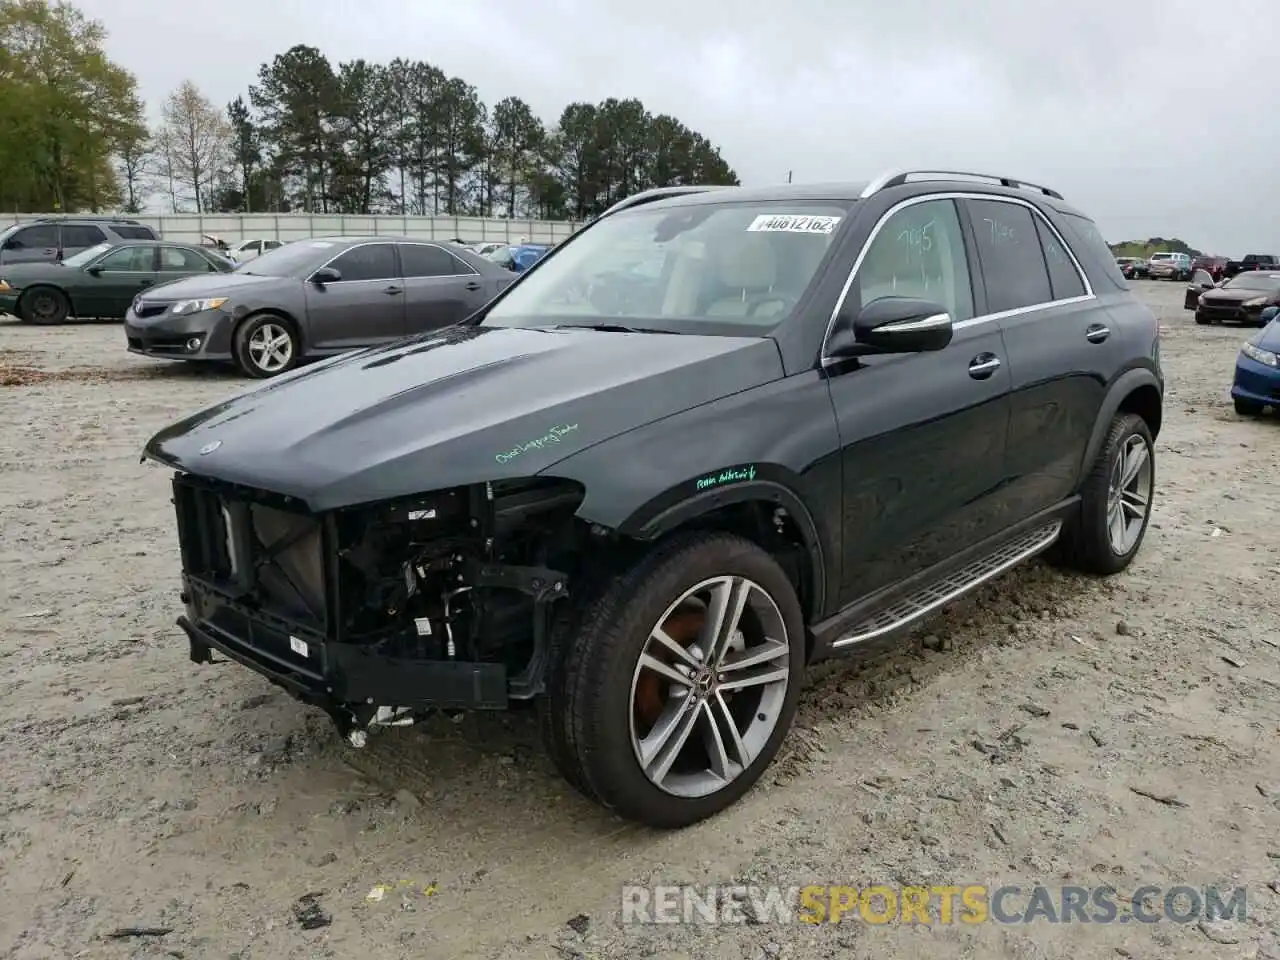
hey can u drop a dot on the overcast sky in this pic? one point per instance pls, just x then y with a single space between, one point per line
1155 118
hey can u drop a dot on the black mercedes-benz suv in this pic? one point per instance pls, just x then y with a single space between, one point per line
714 437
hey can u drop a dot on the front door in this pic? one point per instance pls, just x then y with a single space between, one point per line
439 288
1056 334
109 284
923 435
38 243
365 307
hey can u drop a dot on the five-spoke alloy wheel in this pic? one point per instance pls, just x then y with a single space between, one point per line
266 346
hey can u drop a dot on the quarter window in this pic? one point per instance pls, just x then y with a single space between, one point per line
428 260
371 261
127 260
76 235
1064 278
919 252
1013 266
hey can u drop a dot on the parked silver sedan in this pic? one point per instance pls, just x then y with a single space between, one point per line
312 298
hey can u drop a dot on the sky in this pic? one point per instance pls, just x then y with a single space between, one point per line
1156 119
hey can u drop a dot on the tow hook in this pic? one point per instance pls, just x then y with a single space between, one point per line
355 729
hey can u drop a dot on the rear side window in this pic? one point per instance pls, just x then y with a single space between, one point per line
1063 275
1088 238
135 232
1013 265
428 260
81 235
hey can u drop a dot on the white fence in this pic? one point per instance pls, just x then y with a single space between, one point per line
233 227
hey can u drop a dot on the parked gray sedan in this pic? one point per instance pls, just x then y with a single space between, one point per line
312 298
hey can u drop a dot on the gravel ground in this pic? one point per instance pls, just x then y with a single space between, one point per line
1006 745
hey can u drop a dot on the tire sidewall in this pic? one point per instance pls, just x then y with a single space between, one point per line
244 359
1131 426
612 734
58 295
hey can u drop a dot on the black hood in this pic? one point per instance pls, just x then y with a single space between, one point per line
464 405
1236 295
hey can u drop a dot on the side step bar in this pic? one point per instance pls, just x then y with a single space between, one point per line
938 593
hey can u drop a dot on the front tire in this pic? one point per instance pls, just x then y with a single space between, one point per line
46 306
1115 508
680 681
266 345
1246 408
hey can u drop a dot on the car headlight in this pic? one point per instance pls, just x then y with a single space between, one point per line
1256 302
1254 352
183 307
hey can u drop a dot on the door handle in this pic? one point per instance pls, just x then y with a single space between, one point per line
983 365
146 283
473 286
1097 333
392 291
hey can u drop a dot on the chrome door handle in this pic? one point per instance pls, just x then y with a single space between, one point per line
1097 333
983 366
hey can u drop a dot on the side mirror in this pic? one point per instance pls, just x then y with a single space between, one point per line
94 271
325 275
893 325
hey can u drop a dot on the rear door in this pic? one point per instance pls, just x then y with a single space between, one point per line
922 434
440 289
1056 336
80 236
365 307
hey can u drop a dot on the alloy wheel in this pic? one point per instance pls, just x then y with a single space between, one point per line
271 347
1129 494
709 686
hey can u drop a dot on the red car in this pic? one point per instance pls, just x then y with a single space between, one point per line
1214 266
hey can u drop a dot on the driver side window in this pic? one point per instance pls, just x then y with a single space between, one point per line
919 252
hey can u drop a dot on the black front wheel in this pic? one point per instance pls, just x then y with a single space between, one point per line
46 306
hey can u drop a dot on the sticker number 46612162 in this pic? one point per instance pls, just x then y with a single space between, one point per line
768 223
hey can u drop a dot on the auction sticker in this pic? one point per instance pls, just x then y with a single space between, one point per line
766 223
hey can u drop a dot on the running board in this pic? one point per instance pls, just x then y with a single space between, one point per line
941 592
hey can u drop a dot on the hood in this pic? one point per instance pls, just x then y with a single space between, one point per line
206 285
1235 296
1268 337
19 274
459 406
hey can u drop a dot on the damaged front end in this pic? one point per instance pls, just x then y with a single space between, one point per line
382 612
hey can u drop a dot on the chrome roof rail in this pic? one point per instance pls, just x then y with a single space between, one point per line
896 178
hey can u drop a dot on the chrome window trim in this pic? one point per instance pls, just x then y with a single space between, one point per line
972 321
448 253
357 246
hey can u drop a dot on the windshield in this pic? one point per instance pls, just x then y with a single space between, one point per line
1254 281
84 256
299 258
690 268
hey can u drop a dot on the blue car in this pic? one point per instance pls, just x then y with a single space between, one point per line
1257 381
520 257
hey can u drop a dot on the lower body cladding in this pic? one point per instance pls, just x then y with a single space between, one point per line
197 336
379 614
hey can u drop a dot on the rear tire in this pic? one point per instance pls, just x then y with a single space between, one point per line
46 306
1115 507
1246 408
603 708
266 345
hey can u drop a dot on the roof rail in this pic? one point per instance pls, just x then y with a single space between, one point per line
89 217
896 178
656 193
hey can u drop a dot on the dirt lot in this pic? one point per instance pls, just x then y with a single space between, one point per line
141 791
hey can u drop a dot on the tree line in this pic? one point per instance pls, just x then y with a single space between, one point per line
310 135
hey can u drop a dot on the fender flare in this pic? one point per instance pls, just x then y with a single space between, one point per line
647 525
1119 391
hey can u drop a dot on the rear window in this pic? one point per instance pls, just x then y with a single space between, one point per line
1085 236
134 233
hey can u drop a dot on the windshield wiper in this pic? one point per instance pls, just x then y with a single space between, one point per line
608 328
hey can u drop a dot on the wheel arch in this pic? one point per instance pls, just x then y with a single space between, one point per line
248 314
47 285
1135 391
768 512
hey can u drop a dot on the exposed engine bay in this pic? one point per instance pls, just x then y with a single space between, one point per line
379 612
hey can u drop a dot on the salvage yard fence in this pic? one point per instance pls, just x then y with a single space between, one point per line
234 227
